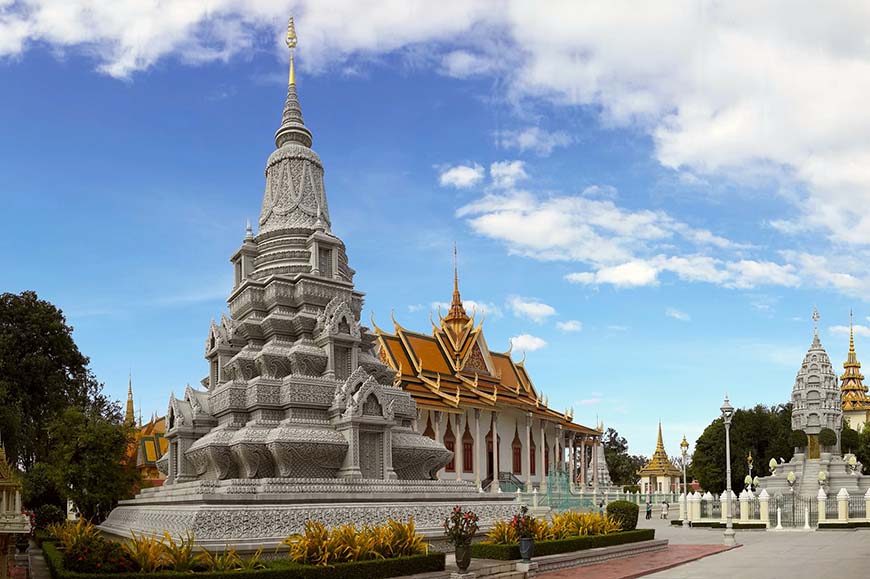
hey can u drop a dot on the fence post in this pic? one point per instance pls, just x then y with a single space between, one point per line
745 497
682 506
723 498
822 498
867 505
764 506
843 505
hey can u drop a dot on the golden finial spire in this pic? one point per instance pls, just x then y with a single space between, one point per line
291 44
851 334
660 445
455 272
130 416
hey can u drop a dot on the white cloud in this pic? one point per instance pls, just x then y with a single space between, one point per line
506 174
678 314
530 308
589 401
844 330
533 139
415 308
461 176
731 89
527 343
570 326
629 274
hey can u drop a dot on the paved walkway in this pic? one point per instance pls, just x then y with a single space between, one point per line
639 565
794 554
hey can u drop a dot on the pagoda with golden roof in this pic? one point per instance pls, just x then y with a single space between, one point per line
856 402
659 474
464 392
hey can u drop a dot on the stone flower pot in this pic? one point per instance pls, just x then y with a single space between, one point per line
527 548
463 557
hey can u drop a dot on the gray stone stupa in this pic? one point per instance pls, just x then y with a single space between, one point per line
298 418
816 404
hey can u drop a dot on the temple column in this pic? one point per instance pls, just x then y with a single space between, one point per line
542 468
459 447
527 448
583 462
495 487
571 468
477 465
436 424
595 463
558 446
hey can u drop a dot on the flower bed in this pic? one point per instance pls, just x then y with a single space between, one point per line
553 547
280 569
843 524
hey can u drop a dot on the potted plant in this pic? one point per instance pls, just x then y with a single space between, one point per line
460 528
524 525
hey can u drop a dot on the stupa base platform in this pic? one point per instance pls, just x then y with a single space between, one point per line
248 514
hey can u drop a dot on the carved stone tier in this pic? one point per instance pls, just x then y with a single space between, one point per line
247 514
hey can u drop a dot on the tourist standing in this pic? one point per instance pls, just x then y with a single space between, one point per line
648 510
665 507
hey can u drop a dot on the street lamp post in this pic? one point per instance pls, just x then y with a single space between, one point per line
727 415
684 447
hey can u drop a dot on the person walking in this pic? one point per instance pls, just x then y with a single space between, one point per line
648 510
665 507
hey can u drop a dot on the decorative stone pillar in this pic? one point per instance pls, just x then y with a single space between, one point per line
527 449
745 498
723 498
542 468
571 468
764 506
436 424
495 487
822 497
595 464
692 500
583 463
477 453
843 505
683 508
867 504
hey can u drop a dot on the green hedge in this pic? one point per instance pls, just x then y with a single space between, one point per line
511 552
624 512
281 569
844 524
735 525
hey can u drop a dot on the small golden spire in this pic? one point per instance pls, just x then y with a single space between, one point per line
660 445
291 44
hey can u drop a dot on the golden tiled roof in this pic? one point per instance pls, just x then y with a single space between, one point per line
854 393
660 464
453 368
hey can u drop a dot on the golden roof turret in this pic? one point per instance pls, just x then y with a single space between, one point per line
130 415
854 393
659 464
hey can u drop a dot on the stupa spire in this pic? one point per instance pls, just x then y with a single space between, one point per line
854 392
129 415
457 310
660 445
292 129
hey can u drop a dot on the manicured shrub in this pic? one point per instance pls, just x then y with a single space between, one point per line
631 488
560 526
48 515
625 513
827 437
511 552
799 439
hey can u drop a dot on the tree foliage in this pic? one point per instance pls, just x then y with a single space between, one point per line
623 467
56 423
765 431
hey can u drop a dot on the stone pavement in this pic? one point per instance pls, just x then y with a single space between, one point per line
771 554
639 565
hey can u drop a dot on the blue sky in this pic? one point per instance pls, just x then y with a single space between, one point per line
653 227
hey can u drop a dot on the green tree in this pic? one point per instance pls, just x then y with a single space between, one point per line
763 431
89 459
42 373
622 466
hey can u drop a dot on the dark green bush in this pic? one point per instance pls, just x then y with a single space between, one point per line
511 552
631 489
48 515
799 439
625 513
279 569
850 440
827 437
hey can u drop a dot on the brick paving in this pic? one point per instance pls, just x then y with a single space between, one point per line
639 565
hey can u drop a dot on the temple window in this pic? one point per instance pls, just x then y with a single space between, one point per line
532 467
450 444
238 270
430 432
342 362
546 459
467 450
517 448
324 262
